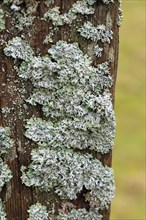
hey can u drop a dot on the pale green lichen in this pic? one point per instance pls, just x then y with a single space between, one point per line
83 7
67 172
98 51
2 211
70 91
108 1
74 93
98 33
22 20
120 14
81 214
6 142
18 49
49 2
5 174
2 20
37 212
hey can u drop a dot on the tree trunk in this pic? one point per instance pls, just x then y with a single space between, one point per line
25 19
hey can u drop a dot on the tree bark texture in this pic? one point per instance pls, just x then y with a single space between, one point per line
16 196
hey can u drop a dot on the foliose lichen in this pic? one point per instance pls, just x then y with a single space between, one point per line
5 174
2 20
2 211
18 49
98 51
38 212
70 91
120 14
100 32
108 1
67 172
22 20
80 7
6 142
81 214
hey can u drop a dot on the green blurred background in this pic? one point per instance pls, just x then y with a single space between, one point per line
129 150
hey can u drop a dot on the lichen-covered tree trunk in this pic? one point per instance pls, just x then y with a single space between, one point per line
58 64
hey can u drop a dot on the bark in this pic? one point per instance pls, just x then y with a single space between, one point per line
18 197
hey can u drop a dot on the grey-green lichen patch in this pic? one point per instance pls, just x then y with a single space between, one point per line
108 1
6 142
5 174
74 93
22 20
2 20
91 131
98 51
2 211
98 33
49 2
37 212
81 214
18 49
120 14
70 91
67 172
83 7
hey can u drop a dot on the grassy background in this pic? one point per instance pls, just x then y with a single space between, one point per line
129 151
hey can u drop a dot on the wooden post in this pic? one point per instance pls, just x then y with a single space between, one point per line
25 19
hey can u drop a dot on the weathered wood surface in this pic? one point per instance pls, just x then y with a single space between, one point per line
18 197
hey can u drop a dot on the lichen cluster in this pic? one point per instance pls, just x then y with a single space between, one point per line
100 32
37 212
75 97
6 142
5 173
67 172
77 110
83 7
2 211
120 14
72 92
2 20
81 214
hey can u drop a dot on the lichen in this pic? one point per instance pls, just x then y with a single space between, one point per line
37 212
70 91
85 117
120 14
98 51
49 2
2 20
18 49
108 1
67 172
5 174
80 214
80 7
98 33
6 142
22 20
2 211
